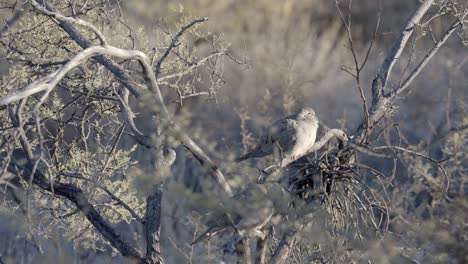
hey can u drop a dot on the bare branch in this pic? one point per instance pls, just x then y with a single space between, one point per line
174 42
10 22
77 196
111 65
400 44
129 83
78 21
48 82
191 68
127 112
429 55
261 250
113 196
281 252
382 100
153 223
436 162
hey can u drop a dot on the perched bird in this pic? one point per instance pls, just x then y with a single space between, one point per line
165 158
290 137
247 213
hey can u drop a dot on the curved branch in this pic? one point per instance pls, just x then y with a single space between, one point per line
400 43
111 65
47 83
78 21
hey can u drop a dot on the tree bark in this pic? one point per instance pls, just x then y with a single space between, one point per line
243 251
153 226
79 198
282 251
260 251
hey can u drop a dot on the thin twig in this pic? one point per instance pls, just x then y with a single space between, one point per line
174 42
78 21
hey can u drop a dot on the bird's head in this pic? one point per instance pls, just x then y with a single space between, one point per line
306 113
341 136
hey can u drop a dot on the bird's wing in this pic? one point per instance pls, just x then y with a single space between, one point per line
259 151
282 133
304 138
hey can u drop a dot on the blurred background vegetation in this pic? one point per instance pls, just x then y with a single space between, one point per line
293 53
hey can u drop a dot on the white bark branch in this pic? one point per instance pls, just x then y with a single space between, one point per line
402 40
47 83
431 53
74 20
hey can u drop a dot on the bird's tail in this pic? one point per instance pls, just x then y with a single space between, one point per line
256 153
242 158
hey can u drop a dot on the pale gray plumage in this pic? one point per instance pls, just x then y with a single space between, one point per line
290 136
165 158
247 212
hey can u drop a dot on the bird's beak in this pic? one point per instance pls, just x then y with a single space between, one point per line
343 142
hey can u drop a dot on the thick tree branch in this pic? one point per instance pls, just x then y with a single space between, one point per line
113 196
78 21
78 197
130 84
152 225
261 250
281 252
400 44
382 96
430 54
111 65
47 83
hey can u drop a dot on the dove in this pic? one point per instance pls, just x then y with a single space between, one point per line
291 137
165 158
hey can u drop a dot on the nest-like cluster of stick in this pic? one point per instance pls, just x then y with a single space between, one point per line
333 182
